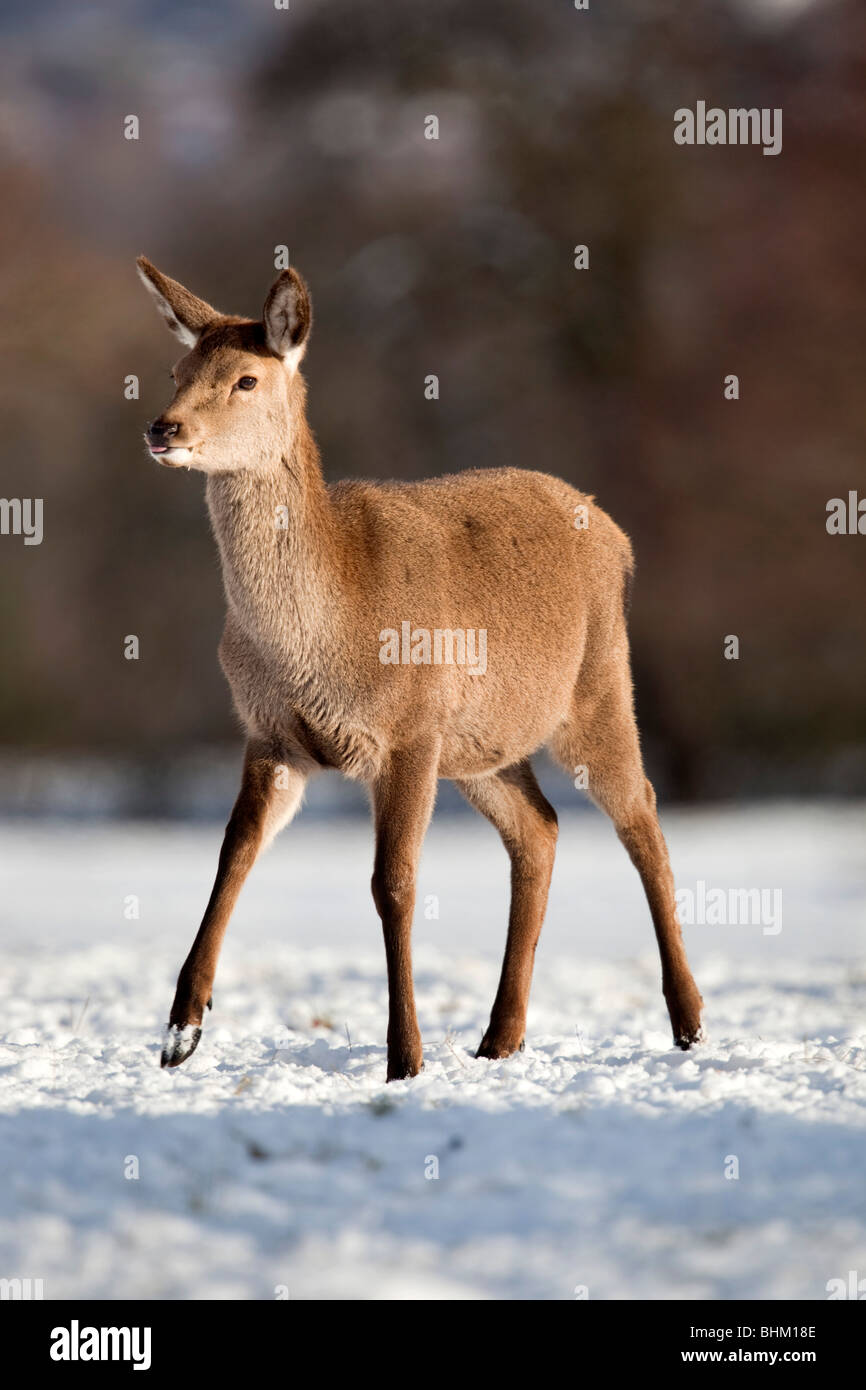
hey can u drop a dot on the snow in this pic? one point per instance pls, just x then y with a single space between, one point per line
276 1162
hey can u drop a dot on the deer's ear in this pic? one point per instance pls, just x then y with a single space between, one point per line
288 317
185 314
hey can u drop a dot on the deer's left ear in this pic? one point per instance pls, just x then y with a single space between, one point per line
288 318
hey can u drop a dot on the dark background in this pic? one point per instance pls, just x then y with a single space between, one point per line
455 257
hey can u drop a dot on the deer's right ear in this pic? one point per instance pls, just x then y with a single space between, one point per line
185 314
288 317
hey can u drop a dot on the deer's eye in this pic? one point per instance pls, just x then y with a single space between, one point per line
247 383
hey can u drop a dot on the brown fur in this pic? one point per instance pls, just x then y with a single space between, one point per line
313 574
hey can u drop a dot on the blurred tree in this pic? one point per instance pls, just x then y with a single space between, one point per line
455 256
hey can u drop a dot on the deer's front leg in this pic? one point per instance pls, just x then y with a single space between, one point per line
270 792
403 799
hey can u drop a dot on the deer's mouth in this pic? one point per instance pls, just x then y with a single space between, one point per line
172 455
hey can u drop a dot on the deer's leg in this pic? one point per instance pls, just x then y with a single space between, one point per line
604 739
403 797
513 802
270 793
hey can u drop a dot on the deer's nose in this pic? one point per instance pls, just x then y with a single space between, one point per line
161 430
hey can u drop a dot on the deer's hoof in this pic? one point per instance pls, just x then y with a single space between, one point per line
687 1029
403 1065
685 1006
494 1048
178 1044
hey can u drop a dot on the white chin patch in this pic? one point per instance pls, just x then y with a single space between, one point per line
175 458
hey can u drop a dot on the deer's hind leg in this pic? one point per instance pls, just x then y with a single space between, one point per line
602 737
513 802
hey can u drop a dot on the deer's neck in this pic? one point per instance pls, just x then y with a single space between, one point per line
279 548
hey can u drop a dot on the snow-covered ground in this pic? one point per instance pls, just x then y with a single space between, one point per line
277 1159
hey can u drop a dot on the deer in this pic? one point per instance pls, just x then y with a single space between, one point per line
314 575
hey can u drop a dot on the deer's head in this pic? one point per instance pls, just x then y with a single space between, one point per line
232 406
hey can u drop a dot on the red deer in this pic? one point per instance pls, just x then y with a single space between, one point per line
316 576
